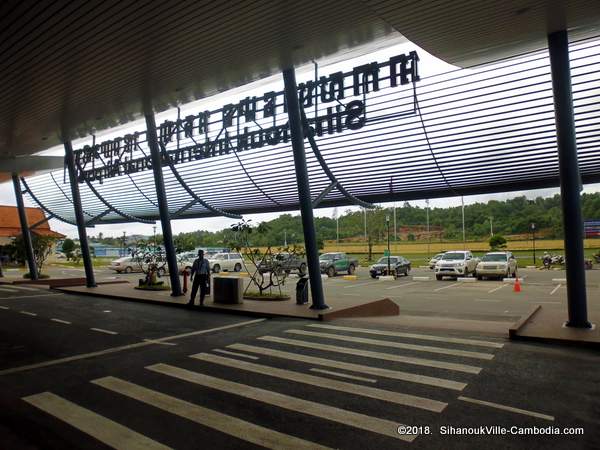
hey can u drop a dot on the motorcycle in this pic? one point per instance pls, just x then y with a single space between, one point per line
549 260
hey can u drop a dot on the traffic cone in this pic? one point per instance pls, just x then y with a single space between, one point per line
517 285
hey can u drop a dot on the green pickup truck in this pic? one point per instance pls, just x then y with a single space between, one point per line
334 263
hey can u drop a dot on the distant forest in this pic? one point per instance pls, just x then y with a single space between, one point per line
511 218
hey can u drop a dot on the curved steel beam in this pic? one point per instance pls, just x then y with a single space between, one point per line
41 205
66 196
191 192
325 167
112 208
248 175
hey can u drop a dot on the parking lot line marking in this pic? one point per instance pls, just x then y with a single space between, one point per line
327 383
402 285
352 295
227 352
486 300
61 321
507 408
555 289
99 427
22 288
349 418
4 307
27 313
549 303
41 294
402 345
377 355
7 290
497 289
159 343
446 287
394 374
425 337
361 284
210 418
100 330
342 375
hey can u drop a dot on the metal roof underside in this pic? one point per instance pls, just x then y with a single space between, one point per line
71 68
469 131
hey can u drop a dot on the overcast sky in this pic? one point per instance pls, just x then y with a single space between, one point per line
428 66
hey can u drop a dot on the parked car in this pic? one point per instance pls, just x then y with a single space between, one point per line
398 265
185 261
434 260
283 261
333 263
497 265
456 264
126 264
230 262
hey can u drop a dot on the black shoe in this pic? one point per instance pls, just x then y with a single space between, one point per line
190 303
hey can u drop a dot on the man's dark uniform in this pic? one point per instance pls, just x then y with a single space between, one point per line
200 278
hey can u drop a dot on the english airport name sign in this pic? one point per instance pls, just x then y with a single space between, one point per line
341 96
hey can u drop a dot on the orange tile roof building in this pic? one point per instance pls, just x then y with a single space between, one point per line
10 227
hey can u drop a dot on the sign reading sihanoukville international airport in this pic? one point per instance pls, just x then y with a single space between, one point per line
252 123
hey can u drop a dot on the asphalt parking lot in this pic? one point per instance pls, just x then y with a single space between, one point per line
491 300
81 372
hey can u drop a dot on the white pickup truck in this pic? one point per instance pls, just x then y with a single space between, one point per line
459 263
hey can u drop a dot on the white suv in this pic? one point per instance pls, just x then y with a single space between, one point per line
231 262
456 264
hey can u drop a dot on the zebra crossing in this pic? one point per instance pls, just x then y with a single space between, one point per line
400 372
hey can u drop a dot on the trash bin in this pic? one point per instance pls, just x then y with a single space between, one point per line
302 291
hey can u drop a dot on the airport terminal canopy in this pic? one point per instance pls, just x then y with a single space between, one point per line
378 132
70 68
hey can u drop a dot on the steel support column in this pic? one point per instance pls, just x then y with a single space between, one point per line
163 207
90 281
33 271
308 224
570 179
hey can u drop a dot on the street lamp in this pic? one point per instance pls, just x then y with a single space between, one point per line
154 237
428 233
387 221
123 252
533 233
492 226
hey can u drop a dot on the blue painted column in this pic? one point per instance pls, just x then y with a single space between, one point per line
570 178
163 207
33 272
306 209
90 280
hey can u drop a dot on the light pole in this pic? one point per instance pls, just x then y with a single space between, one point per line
123 252
365 217
428 234
395 228
462 201
387 221
491 225
285 238
154 237
533 235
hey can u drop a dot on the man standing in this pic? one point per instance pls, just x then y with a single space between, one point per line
200 277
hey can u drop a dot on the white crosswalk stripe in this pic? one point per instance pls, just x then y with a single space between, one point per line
320 410
377 355
424 337
224 423
300 377
19 288
309 377
404 376
105 430
420 348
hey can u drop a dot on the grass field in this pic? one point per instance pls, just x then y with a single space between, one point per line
554 245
